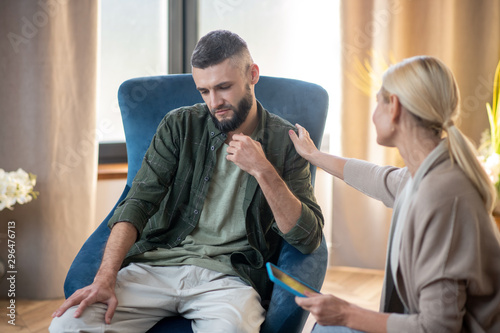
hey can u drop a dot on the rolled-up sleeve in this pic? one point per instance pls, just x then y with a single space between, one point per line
307 233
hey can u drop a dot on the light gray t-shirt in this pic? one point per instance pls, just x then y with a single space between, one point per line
221 228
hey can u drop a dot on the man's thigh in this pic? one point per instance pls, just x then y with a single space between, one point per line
214 301
92 321
140 306
223 304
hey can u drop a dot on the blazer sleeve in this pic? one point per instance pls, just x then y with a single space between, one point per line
442 306
307 233
379 182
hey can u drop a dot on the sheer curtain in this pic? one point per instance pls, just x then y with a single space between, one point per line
464 34
48 70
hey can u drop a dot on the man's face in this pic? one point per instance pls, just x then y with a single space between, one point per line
227 93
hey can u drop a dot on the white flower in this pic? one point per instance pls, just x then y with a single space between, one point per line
16 187
492 166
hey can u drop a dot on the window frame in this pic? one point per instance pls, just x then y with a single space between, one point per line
182 38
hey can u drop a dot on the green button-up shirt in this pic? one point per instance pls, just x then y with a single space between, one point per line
168 192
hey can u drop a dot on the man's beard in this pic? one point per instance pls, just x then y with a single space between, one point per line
240 113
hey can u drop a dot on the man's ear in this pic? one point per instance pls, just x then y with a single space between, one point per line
254 74
395 108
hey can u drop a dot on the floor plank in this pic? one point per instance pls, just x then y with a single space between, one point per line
32 316
360 286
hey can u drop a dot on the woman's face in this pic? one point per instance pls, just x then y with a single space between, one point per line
382 119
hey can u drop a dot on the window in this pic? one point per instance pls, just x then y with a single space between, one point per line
287 38
133 43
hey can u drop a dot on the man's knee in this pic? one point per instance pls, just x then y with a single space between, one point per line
87 322
61 324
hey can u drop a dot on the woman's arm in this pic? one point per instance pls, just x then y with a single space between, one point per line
306 148
379 182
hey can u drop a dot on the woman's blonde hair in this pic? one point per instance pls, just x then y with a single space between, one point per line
426 87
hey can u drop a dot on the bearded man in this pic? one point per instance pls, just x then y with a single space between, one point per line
220 184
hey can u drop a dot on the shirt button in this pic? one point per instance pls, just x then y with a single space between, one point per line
212 133
196 211
213 148
206 179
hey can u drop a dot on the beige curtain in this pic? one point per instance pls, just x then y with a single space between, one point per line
465 34
48 66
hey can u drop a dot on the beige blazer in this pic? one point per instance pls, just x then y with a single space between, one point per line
448 265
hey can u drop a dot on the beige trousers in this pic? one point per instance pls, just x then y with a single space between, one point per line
213 301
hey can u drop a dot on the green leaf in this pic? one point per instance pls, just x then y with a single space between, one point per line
494 112
496 89
497 125
493 127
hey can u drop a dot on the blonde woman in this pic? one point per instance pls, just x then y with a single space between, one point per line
443 261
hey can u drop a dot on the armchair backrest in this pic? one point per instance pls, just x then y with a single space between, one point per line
145 101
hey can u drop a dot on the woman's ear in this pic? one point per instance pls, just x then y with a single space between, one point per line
395 108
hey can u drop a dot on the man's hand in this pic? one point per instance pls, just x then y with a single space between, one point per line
121 238
247 154
97 292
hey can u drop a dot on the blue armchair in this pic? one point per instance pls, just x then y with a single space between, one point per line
143 103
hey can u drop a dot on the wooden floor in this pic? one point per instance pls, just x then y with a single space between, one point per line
359 286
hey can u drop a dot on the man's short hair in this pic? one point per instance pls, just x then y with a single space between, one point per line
217 46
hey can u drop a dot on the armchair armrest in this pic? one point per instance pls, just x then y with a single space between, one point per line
284 315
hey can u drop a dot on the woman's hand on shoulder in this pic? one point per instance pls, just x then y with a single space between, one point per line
303 142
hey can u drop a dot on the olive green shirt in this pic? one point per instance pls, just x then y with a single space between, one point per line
169 191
